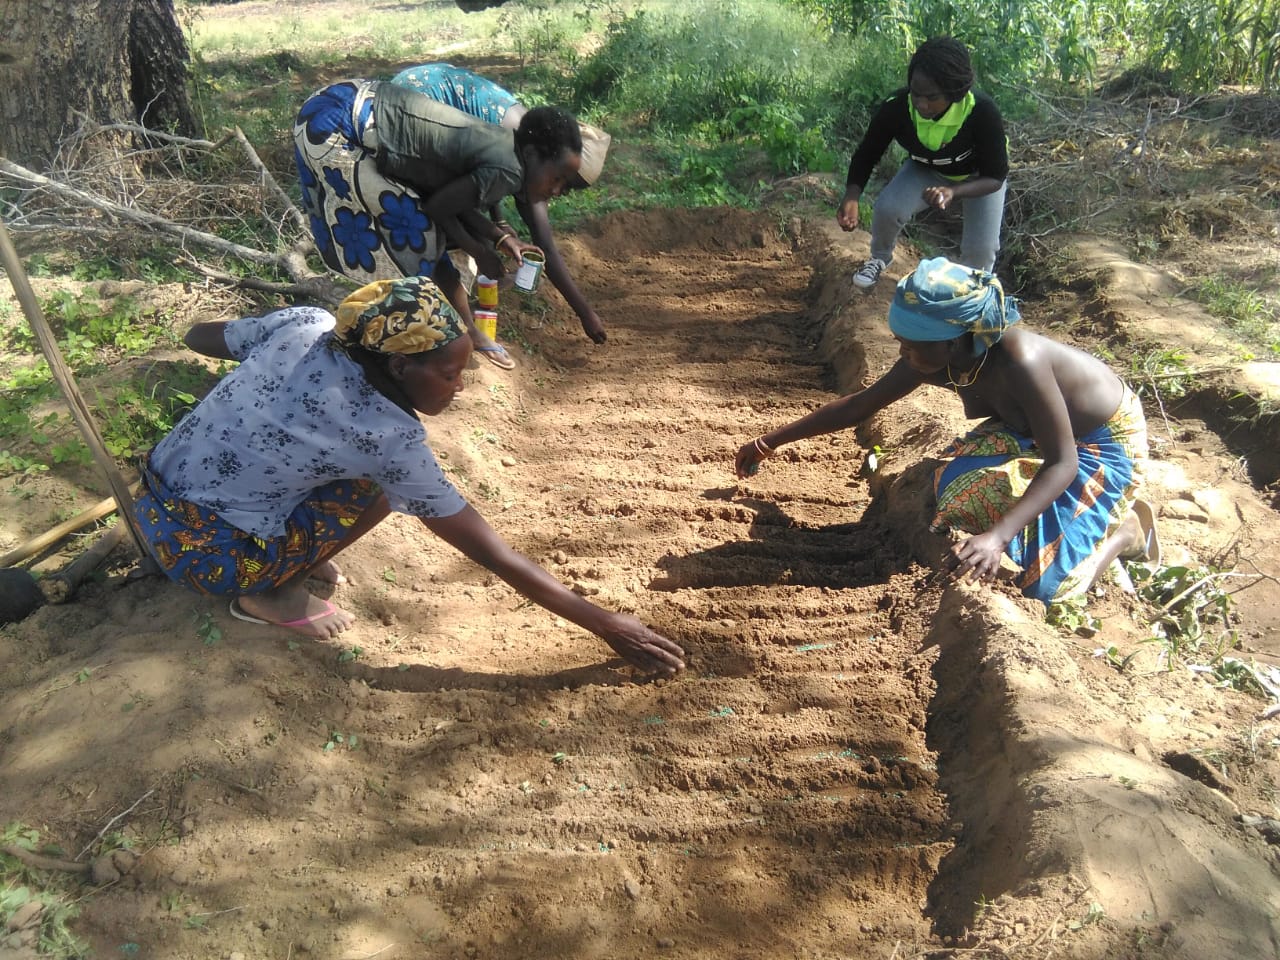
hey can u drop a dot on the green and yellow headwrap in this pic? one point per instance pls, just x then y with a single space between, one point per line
406 315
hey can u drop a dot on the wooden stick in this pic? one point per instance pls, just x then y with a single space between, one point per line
39 544
186 234
62 374
112 821
61 587
270 182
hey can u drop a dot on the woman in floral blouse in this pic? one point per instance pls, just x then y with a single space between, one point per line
310 442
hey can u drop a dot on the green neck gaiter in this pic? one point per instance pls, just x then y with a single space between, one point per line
934 133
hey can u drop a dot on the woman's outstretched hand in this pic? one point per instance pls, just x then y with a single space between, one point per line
750 456
593 327
644 648
514 245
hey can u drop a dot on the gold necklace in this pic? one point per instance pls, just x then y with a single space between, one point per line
969 377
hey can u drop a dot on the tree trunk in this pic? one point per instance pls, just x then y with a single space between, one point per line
158 56
111 60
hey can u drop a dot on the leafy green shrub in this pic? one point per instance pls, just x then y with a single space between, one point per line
1011 40
1194 619
790 146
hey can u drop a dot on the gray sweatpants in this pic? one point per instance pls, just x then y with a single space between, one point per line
903 197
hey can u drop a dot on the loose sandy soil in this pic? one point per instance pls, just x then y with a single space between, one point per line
859 762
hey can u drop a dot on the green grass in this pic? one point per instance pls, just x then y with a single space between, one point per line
20 885
132 413
1247 312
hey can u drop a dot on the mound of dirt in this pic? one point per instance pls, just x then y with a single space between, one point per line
857 763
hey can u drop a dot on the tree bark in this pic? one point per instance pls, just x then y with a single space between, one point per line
158 58
105 59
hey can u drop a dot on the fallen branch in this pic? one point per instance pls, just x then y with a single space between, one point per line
38 861
147 132
270 182
61 587
320 288
186 234
38 544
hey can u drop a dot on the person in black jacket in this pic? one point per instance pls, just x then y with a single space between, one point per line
956 147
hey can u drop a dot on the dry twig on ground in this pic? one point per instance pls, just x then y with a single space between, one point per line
191 192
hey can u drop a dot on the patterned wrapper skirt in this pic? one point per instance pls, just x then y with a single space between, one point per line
365 225
197 548
988 470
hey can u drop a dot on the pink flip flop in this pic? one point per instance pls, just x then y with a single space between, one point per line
239 614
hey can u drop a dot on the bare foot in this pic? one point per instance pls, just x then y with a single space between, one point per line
327 572
295 610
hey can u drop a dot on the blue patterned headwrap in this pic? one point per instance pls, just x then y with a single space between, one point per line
944 300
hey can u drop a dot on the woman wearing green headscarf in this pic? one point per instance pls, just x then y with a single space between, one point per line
310 442
956 150
1052 475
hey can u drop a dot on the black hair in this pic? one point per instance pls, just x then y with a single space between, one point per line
550 131
945 61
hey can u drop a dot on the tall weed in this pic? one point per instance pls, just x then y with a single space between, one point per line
672 68
1204 43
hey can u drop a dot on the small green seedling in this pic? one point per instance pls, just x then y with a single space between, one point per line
207 629
1112 655
1094 914
350 654
1071 615
339 739
133 701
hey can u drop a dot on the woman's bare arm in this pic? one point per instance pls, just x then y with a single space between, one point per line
469 533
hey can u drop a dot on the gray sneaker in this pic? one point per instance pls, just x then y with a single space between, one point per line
869 273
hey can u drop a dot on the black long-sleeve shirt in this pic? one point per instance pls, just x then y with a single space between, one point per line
979 147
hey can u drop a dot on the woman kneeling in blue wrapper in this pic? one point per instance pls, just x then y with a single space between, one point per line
1050 478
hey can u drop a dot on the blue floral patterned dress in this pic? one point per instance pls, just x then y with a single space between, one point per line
363 187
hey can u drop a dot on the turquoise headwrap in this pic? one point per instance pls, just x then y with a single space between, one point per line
944 300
